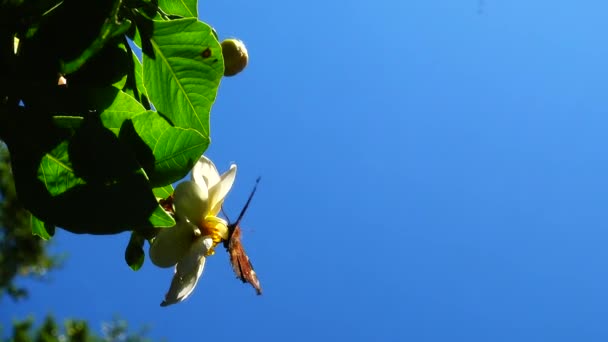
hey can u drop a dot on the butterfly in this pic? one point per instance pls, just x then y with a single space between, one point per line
241 265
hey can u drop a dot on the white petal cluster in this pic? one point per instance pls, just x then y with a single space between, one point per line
198 229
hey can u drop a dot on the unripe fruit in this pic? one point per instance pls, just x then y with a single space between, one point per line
235 56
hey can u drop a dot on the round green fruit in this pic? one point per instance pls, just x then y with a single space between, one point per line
235 56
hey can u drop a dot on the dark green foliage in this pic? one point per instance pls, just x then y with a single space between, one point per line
88 155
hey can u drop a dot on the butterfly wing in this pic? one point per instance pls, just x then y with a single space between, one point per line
240 261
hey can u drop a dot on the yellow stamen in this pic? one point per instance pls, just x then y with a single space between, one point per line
216 228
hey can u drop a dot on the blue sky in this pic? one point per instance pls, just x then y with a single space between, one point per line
429 173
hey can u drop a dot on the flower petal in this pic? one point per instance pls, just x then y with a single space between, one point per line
182 286
171 244
205 172
218 192
188 271
191 201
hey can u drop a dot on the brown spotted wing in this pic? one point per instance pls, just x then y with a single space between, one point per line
238 258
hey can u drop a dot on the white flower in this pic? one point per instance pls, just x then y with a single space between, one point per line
198 229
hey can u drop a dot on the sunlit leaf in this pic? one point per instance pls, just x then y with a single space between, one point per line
161 219
122 107
183 67
164 191
165 152
56 171
184 8
175 149
44 230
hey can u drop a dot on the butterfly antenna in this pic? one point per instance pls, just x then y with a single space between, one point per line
225 215
255 187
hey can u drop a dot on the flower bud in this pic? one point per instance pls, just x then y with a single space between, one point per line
235 56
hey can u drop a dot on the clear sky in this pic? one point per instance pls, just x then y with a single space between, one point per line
431 171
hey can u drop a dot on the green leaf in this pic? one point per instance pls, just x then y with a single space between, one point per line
56 171
161 219
163 191
134 253
123 107
86 183
183 8
44 230
183 66
175 149
165 152
68 122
